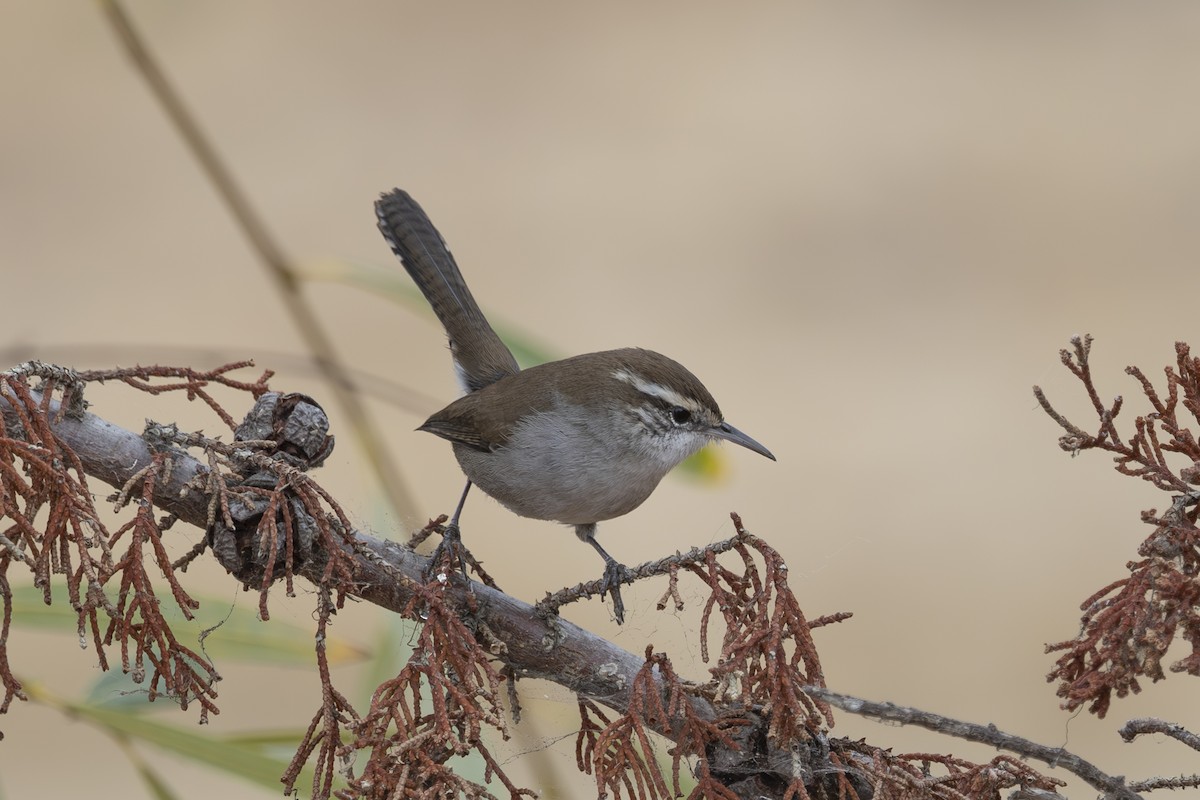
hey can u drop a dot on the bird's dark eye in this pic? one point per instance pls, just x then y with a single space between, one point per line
680 415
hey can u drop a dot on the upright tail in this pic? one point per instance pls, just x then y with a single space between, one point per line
480 357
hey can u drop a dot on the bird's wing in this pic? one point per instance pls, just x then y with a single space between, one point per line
471 421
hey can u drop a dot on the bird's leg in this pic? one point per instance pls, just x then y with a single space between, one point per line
462 501
615 573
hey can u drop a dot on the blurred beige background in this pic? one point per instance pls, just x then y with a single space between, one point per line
868 229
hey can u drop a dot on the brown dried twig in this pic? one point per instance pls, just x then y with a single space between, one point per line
768 653
194 383
38 472
1138 727
549 605
1128 625
911 776
1180 782
750 740
324 733
1113 787
266 520
751 730
437 707
137 616
620 753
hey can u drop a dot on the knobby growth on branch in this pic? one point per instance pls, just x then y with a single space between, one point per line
1128 625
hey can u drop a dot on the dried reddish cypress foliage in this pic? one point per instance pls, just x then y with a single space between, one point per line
755 716
911 776
112 577
439 706
1128 625
752 730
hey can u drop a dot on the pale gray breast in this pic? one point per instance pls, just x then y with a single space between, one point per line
568 464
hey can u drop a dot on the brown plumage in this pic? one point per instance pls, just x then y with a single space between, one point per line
577 441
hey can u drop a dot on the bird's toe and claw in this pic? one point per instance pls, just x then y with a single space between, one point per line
448 556
451 556
615 574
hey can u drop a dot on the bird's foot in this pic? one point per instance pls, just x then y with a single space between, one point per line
610 582
451 556
615 573
448 555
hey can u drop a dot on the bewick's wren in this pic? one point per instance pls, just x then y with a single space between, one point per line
577 441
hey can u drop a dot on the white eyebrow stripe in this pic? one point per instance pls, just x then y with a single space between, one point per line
667 395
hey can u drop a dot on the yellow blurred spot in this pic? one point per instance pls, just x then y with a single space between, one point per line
709 466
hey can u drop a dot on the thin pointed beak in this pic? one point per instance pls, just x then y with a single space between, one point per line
731 434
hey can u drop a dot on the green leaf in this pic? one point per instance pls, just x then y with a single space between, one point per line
155 784
395 285
393 647
234 634
223 754
267 739
116 690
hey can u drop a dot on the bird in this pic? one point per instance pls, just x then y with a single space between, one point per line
577 441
